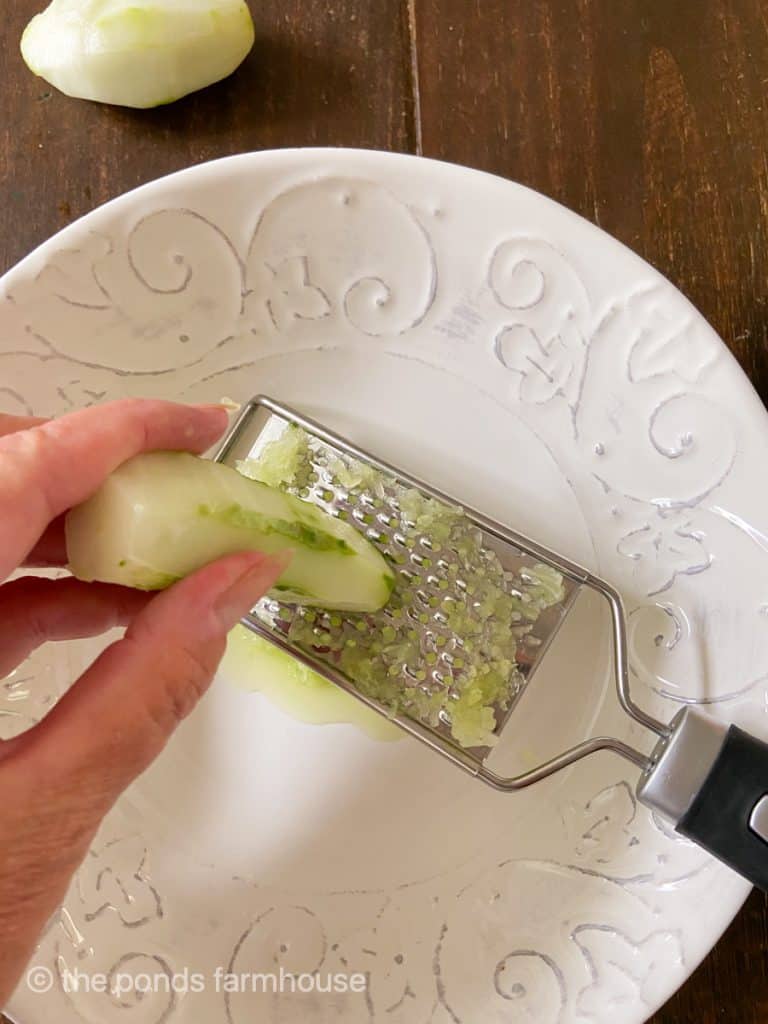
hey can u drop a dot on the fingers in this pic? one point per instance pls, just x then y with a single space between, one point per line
10 424
116 719
59 779
54 465
51 549
34 610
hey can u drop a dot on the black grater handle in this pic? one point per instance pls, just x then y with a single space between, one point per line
710 780
729 815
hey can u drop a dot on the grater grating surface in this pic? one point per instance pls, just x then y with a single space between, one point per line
436 573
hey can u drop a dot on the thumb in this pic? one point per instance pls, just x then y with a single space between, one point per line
118 716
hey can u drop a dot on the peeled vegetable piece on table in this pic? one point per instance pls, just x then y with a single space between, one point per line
137 53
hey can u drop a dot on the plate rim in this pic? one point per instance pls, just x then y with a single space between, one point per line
219 168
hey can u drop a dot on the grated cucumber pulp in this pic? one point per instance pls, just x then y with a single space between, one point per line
252 663
393 654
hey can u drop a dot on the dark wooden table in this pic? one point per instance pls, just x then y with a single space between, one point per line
649 117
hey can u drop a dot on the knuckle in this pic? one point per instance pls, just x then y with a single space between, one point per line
32 475
20 452
183 676
134 412
25 611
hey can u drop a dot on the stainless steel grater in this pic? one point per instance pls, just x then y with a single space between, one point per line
710 780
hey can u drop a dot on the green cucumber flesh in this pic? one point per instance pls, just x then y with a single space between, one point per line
162 515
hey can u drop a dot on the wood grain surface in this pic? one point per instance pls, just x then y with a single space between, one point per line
649 118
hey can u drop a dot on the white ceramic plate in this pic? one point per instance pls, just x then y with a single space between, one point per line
494 343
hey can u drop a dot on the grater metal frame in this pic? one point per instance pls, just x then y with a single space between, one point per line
708 778
577 574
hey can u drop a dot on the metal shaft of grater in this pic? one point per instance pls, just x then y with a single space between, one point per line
380 518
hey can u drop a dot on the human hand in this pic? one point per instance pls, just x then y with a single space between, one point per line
59 779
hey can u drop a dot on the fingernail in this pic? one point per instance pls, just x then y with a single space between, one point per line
249 588
220 411
215 406
210 425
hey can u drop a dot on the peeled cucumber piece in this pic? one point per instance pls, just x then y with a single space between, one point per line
137 53
162 515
